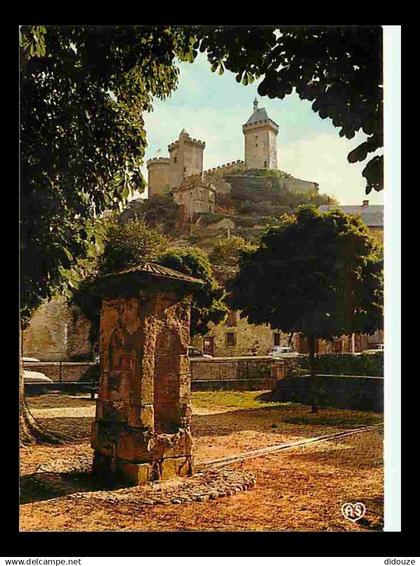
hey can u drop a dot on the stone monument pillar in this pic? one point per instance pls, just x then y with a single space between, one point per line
142 425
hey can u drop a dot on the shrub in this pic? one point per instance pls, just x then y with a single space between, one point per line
348 364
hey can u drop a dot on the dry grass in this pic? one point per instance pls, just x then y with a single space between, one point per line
300 489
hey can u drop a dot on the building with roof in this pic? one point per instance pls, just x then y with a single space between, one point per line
195 196
371 214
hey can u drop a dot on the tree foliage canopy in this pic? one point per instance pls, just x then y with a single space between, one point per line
318 274
83 92
126 245
207 305
227 252
337 68
161 211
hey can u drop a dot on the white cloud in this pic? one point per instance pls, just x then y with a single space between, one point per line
323 159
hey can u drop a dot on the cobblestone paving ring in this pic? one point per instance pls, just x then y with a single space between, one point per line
202 486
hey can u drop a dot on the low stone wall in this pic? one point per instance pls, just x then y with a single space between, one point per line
238 373
241 373
363 393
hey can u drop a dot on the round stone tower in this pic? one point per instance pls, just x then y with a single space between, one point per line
260 136
158 175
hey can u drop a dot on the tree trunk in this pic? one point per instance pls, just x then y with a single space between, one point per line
29 430
313 389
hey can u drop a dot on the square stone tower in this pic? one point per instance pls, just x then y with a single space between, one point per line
260 136
185 158
141 430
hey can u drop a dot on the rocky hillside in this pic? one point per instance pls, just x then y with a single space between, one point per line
252 200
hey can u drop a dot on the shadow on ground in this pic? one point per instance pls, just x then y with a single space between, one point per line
281 419
76 428
42 486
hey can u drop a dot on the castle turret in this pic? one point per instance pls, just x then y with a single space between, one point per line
260 137
186 158
158 175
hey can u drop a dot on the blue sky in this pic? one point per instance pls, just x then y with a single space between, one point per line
213 107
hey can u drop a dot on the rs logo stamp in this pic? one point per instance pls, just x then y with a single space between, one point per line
353 511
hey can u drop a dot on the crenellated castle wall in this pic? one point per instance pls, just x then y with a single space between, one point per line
215 176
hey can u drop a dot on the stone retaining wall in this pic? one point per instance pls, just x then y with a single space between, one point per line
242 373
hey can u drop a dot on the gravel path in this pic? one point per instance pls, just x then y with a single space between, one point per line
80 412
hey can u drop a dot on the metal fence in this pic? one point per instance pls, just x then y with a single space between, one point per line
213 369
65 372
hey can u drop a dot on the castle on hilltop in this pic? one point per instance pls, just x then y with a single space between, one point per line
58 331
196 189
186 154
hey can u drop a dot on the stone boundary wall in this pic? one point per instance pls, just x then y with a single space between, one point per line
357 392
240 373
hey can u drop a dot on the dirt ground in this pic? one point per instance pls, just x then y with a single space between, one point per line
301 489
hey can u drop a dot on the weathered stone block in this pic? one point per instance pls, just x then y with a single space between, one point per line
130 315
171 467
185 387
134 474
135 446
173 445
103 465
147 416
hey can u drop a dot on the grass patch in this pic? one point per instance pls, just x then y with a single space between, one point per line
247 407
234 399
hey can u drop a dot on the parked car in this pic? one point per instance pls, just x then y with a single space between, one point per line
35 377
282 352
196 353
375 349
36 382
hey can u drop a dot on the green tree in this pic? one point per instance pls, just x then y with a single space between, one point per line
161 211
228 251
83 91
127 245
317 274
338 68
207 305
